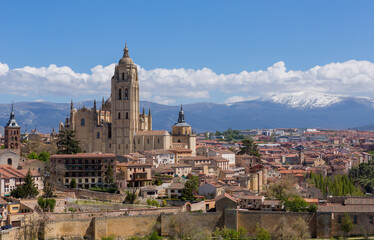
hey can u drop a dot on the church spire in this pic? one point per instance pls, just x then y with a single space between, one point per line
12 119
181 115
149 113
94 104
126 51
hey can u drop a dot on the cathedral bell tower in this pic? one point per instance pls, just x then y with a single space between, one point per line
13 134
125 104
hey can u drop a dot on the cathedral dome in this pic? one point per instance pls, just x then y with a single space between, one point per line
125 60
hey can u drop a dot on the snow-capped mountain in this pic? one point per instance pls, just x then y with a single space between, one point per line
313 110
312 100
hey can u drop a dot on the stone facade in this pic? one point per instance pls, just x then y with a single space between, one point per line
118 126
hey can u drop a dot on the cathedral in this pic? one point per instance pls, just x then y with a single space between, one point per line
118 126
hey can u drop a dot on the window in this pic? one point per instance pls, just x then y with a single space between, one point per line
83 122
127 115
119 94
179 140
123 76
355 219
138 141
126 94
119 115
9 161
158 141
98 135
127 146
371 219
93 180
86 180
147 140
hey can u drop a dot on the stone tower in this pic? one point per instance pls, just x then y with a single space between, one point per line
125 104
13 134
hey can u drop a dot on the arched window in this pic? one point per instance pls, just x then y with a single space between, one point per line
16 145
83 123
15 138
123 76
11 145
98 135
179 140
119 94
127 115
119 115
9 161
12 138
126 94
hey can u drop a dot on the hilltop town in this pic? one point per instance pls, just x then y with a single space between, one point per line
106 173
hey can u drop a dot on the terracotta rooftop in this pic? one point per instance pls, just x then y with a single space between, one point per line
84 155
152 133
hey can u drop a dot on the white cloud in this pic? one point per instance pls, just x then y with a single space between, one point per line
234 99
355 78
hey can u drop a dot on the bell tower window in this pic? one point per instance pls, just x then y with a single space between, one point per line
123 76
83 123
119 94
126 94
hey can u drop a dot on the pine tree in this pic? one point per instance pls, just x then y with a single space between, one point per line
250 148
109 175
29 188
66 143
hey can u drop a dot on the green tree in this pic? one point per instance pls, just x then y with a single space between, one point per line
18 192
109 175
297 204
154 236
250 148
130 197
347 224
73 183
32 155
44 156
29 188
66 143
190 188
261 234
47 204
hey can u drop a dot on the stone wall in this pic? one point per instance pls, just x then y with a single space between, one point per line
71 228
184 223
269 220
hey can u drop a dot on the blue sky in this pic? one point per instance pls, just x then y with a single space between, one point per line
226 37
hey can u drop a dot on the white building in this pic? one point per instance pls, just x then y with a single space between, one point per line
159 157
10 178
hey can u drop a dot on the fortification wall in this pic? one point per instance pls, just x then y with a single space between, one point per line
70 228
126 226
187 222
269 220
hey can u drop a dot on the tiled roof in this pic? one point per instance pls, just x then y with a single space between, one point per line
152 133
176 186
7 172
84 155
347 208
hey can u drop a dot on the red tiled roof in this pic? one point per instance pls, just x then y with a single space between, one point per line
151 133
84 155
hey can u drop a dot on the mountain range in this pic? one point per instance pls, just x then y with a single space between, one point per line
296 110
